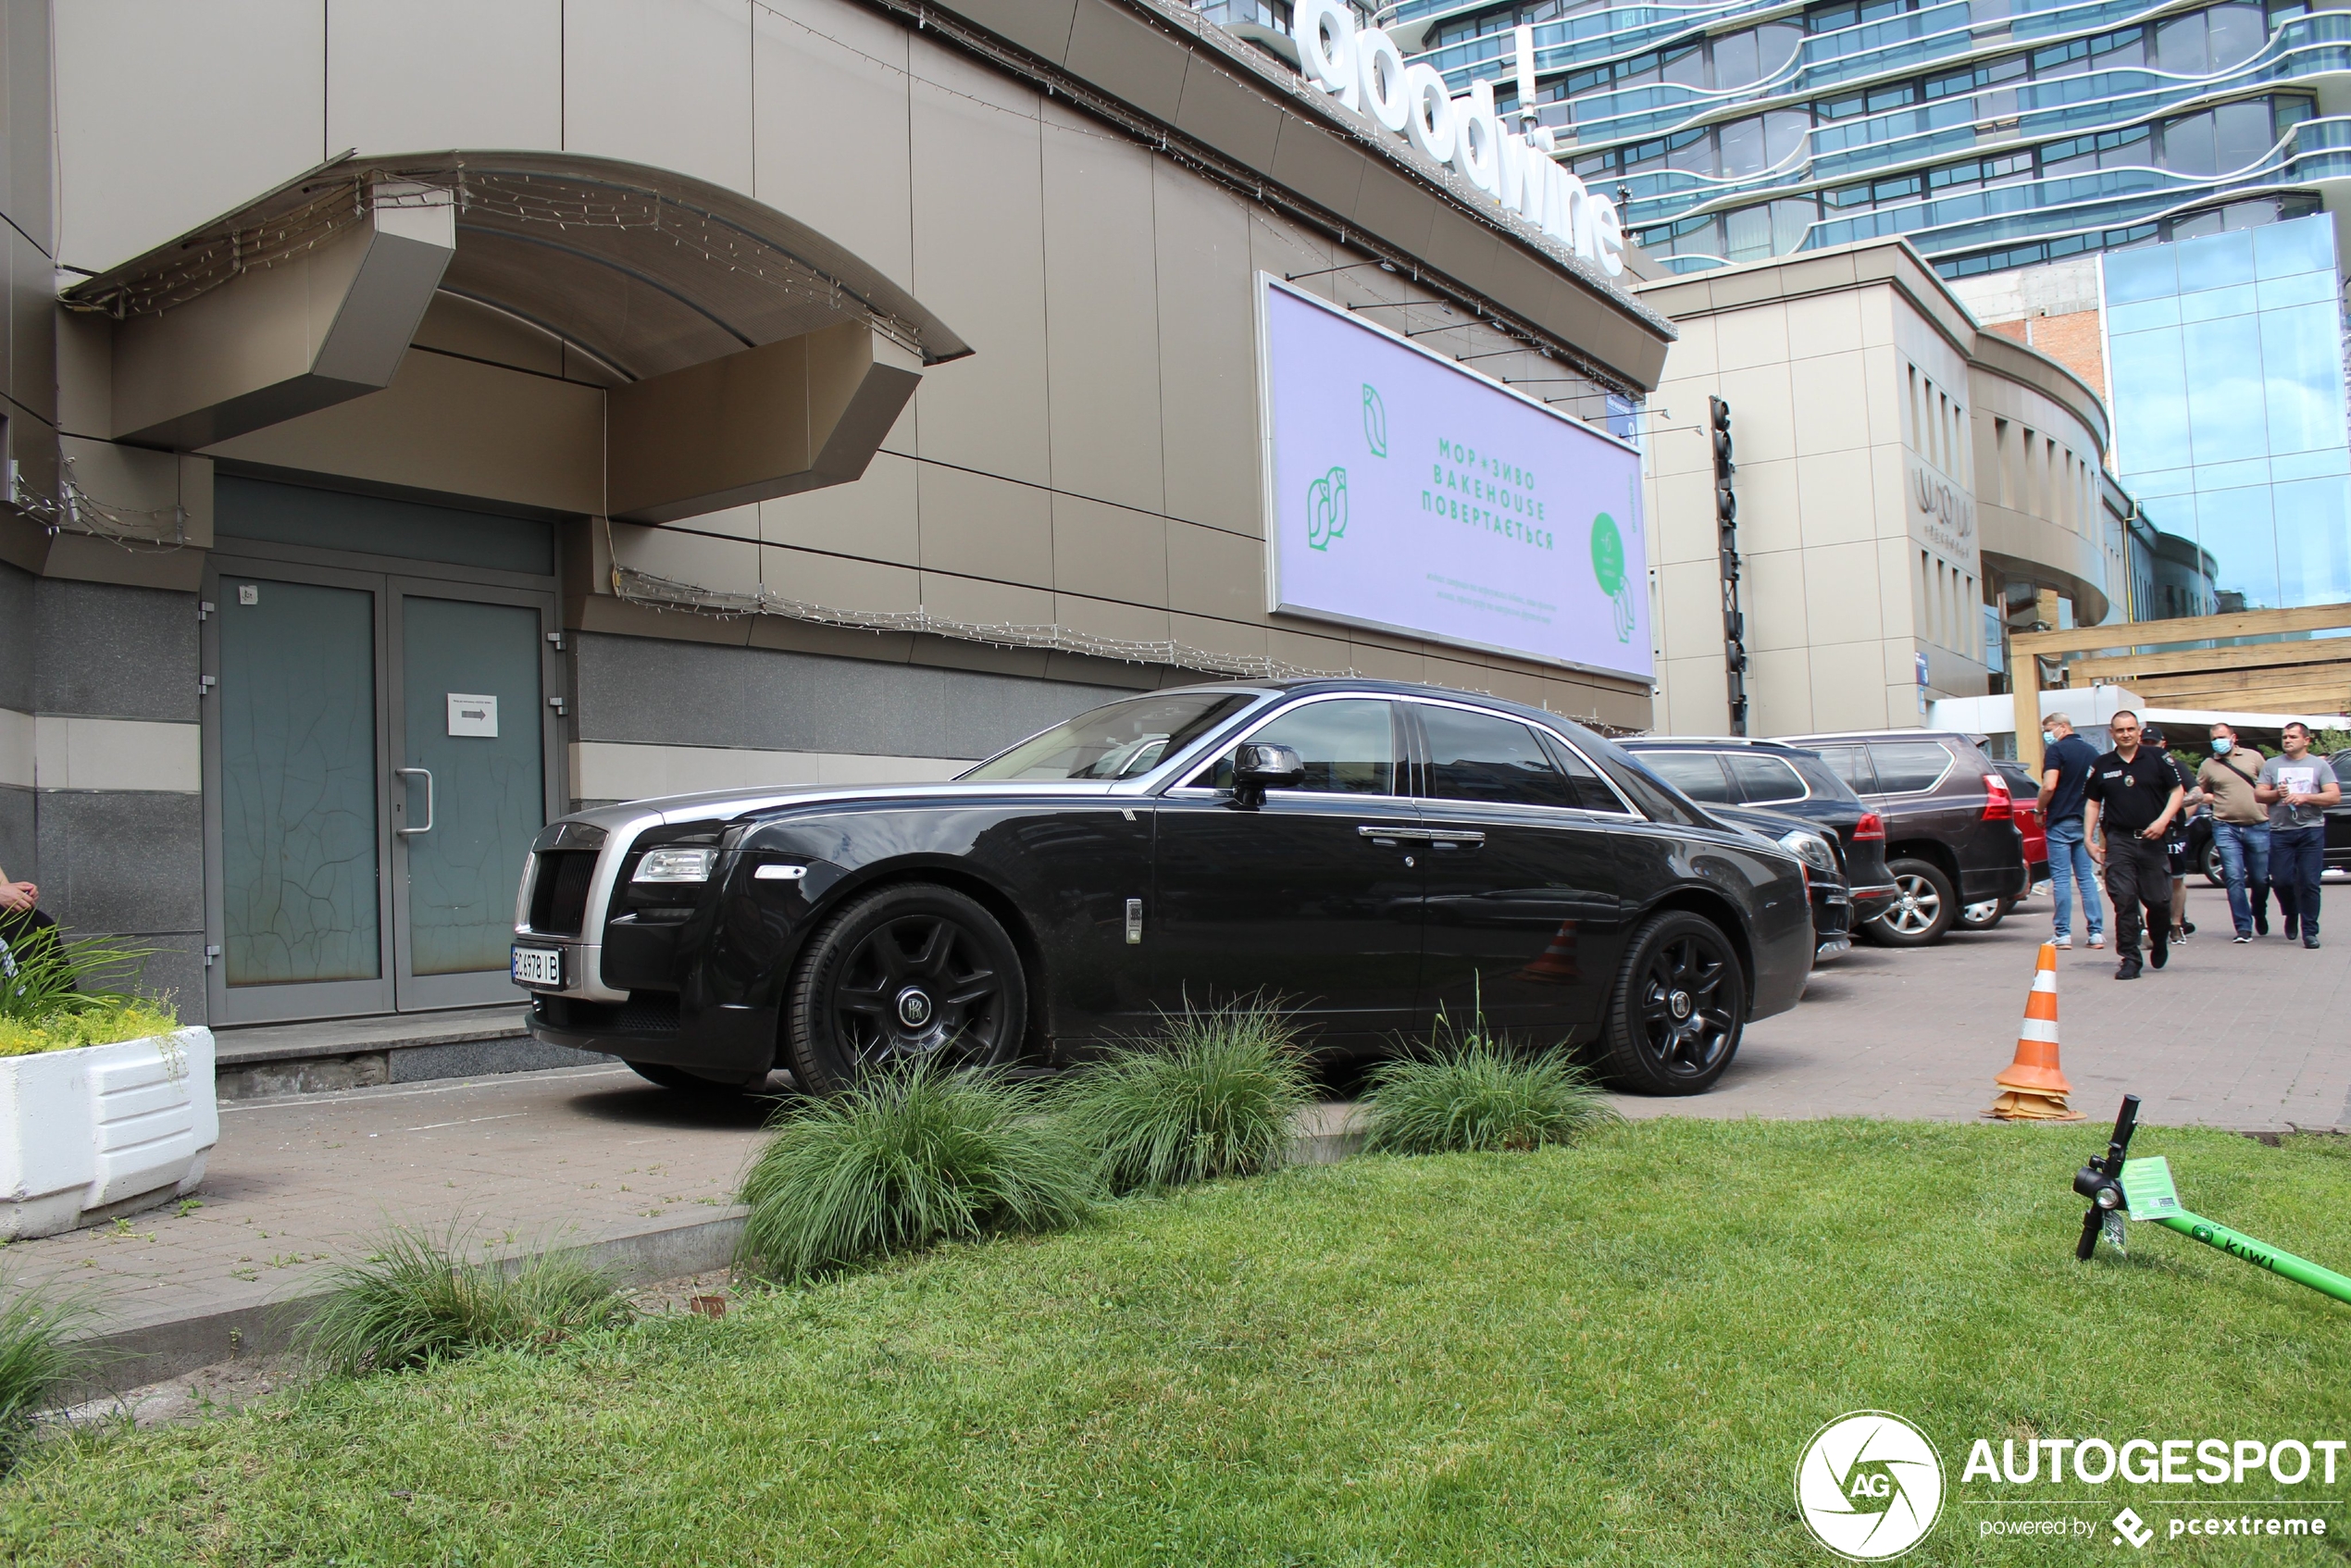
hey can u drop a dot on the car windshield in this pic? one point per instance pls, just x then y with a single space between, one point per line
1116 740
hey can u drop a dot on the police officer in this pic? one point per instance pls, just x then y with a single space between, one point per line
2134 793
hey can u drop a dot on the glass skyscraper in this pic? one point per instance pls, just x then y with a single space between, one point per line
2226 354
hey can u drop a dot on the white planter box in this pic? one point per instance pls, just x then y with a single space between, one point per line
89 1134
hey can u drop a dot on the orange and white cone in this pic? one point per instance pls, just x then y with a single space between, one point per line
1556 966
2033 1089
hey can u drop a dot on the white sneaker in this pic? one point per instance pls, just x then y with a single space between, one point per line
2098 939
2065 943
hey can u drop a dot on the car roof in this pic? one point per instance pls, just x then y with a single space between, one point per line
1371 686
1890 735
1747 742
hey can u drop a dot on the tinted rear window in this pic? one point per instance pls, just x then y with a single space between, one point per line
1475 756
1763 778
1696 774
1850 763
1826 785
1906 766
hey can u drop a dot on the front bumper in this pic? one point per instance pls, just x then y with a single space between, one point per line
1832 919
724 1041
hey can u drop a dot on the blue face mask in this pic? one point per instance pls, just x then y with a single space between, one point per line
2048 737
2219 747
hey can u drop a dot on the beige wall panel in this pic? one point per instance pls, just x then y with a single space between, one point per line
1282 248
1692 355
730 522
1770 506
1619 710
1849 692
979 263
1455 672
666 83
1762 424
984 527
990 603
413 76
730 566
603 613
1881 376
171 115
1383 663
947 653
1757 335
1103 617
1773 595
1695 700
1898 587
477 331
1213 573
837 582
1820 324
874 516
1682 524
1841 593
802 636
1207 353
1779 690
1109 552
32 339
1305 649
1101 333
1877 307
845 98
1832 413
1239 120
1120 51
25 170
1690 450
452 426
1838 500
1218 636
1689 604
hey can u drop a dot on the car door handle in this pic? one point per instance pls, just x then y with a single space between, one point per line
1388 838
404 772
1455 839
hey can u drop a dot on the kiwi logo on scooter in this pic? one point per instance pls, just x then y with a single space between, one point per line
1608 570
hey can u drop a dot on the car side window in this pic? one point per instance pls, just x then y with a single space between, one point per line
1591 790
1475 757
1696 774
1852 765
1907 766
1762 779
1347 745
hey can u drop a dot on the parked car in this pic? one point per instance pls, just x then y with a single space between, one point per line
1368 852
1951 837
1771 776
1832 899
2206 855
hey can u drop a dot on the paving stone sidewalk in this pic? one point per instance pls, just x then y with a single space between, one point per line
2249 1038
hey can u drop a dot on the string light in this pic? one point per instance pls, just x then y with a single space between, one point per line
75 510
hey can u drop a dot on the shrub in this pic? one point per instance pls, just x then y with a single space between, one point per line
418 1299
1210 1095
131 1018
1472 1092
38 1358
57 995
904 1159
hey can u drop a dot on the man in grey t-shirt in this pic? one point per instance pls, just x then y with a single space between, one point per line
2297 788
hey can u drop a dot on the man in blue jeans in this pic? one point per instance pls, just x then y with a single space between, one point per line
2239 829
2297 788
2065 768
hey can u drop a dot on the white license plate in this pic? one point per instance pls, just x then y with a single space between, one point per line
539 966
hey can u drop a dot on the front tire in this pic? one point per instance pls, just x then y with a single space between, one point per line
1678 1008
1923 910
906 974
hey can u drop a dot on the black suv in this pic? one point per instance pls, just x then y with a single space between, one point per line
1951 837
1774 776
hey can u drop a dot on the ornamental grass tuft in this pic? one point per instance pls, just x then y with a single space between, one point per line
57 995
904 1159
419 1300
38 1358
1212 1094
1471 1091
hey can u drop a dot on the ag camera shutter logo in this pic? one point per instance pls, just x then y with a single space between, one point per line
1870 1486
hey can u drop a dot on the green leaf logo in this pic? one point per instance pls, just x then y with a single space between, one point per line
1326 509
1374 421
1608 556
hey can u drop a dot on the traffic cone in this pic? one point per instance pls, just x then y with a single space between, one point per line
2033 1089
1556 966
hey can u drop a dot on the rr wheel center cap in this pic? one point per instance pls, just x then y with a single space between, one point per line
1680 1002
914 1008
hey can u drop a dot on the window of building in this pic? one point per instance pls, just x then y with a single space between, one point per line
1852 13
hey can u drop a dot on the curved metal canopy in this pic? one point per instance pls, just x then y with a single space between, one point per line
644 269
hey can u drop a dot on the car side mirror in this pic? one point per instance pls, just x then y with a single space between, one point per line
1259 767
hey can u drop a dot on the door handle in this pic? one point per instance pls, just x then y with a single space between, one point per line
403 772
1455 839
1388 838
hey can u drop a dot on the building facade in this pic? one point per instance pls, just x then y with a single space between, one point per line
411 442
1898 469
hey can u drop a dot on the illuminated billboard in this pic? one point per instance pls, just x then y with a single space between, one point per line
1407 494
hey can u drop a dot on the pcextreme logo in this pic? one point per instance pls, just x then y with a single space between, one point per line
1870 1485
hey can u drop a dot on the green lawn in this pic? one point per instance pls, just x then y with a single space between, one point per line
1609 1353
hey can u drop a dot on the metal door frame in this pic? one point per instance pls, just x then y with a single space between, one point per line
486 987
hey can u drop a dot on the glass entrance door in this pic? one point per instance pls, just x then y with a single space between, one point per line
377 756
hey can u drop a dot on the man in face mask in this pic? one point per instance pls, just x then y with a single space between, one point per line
2239 829
2065 764
2297 788
2134 792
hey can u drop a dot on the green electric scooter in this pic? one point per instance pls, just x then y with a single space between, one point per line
2116 1185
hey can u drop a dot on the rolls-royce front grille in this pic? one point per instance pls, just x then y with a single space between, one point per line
559 894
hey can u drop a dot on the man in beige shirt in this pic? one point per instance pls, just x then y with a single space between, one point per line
2239 829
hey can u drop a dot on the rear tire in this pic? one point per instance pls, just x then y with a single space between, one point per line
688 1082
2214 872
1922 915
907 973
1678 1008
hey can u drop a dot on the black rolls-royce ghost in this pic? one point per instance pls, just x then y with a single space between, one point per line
1367 853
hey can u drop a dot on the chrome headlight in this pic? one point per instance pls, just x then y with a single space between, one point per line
675 865
1812 849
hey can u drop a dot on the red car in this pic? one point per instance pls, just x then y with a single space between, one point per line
2025 794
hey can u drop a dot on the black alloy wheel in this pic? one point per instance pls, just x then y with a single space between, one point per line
1923 909
909 973
1679 1007
685 1081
